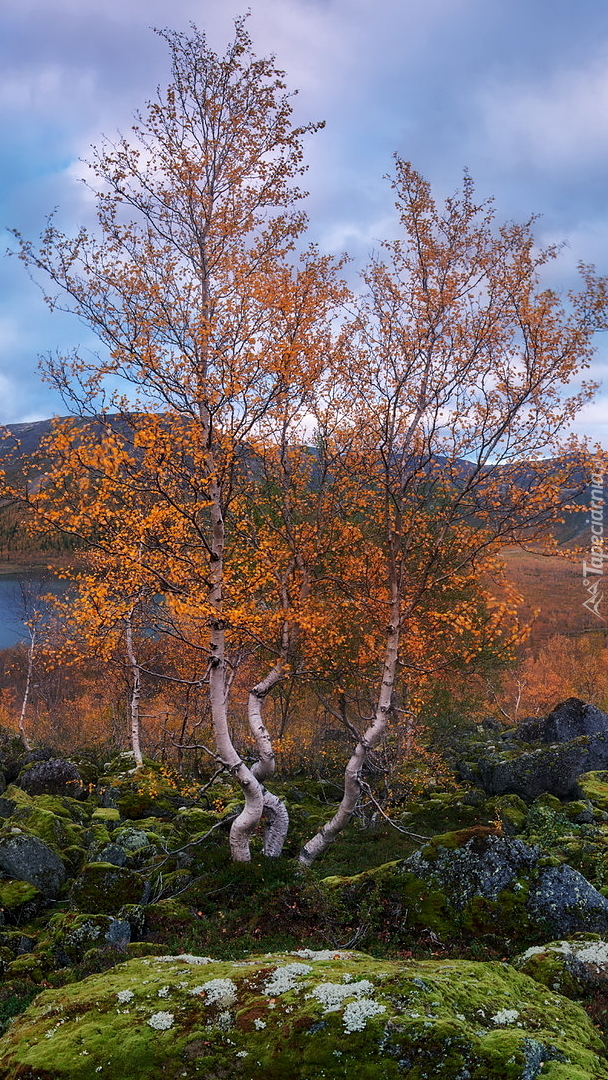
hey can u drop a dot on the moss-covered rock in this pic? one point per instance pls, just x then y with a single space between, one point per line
70 936
303 1016
509 810
140 792
19 901
57 831
469 885
28 966
530 771
105 888
25 857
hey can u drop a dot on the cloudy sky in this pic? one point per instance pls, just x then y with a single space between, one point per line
516 91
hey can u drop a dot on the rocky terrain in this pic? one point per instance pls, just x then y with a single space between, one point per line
471 941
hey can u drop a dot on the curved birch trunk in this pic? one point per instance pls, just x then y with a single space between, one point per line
352 786
275 811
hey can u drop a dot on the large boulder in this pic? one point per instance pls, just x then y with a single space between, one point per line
568 720
472 862
52 777
303 1015
26 858
542 755
471 885
546 768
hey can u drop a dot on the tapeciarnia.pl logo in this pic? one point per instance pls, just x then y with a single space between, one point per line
593 563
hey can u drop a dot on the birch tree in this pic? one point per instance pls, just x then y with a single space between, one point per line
204 315
459 387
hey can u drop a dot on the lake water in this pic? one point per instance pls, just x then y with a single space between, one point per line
14 593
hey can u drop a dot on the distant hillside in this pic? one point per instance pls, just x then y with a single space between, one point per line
18 441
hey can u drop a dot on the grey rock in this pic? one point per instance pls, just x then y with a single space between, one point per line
481 867
52 777
567 903
568 720
72 938
7 807
113 853
27 858
119 933
131 838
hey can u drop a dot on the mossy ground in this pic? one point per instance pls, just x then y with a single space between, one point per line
180 892
150 1018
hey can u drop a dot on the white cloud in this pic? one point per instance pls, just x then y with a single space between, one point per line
561 123
29 87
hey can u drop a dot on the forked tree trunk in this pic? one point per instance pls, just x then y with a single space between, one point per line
374 733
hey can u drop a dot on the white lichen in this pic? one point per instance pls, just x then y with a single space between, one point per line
161 1021
217 991
285 978
505 1016
259 1024
124 996
357 1013
332 995
164 991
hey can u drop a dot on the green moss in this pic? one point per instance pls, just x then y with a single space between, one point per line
105 813
549 801
446 811
594 787
144 948
18 796
428 1019
64 806
193 820
15 893
451 841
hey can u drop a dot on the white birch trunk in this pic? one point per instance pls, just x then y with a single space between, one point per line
277 825
28 685
244 825
375 732
135 692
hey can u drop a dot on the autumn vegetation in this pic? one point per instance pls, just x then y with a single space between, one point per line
287 499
